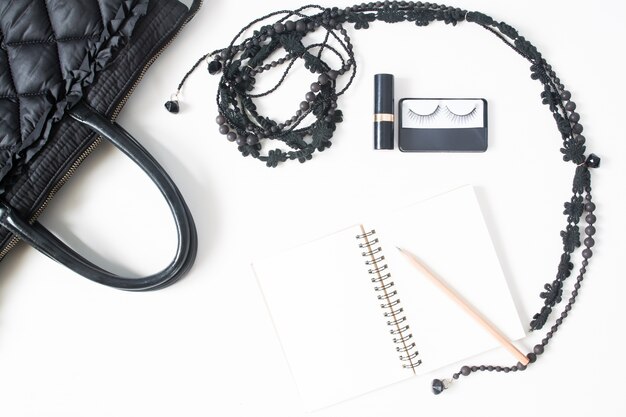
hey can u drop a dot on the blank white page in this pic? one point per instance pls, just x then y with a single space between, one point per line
328 319
447 233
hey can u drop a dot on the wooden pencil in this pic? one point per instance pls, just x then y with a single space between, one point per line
466 307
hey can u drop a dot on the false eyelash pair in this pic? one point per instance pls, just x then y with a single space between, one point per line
424 119
442 125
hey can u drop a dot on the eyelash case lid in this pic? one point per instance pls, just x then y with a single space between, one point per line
383 111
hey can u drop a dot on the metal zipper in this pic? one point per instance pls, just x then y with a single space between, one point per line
15 239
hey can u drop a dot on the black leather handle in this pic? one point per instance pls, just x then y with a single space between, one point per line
44 241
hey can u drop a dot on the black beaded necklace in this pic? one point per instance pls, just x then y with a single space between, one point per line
245 58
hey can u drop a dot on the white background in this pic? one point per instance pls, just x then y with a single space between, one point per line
206 346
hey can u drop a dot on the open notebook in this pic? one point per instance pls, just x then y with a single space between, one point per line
352 315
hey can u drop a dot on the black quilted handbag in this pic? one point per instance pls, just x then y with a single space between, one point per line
67 69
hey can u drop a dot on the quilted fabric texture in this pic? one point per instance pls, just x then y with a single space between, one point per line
50 50
26 186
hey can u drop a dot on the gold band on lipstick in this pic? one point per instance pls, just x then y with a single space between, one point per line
383 117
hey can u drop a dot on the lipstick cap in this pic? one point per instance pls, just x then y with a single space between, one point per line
383 93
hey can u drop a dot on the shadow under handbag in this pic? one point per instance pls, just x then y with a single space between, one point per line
67 69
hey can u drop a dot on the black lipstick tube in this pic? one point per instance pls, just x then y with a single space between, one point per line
383 111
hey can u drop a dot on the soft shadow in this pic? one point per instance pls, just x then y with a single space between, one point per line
195 193
497 243
8 267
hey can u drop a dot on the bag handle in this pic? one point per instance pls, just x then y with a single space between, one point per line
44 241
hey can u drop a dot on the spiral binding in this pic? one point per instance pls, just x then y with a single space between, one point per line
388 296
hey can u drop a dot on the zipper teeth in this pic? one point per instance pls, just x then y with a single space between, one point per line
9 246
14 240
66 177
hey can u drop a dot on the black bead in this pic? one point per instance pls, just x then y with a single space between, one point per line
241 140
465 370
214 67
590 218
252 139
589 242
531 357
279 27
574 117
566 95
590 230
231 136
172 106
521 366
315 87
304 106
290 25
593 161
220 120
310 96
577 128
300 26
438 386
224 129
590 207
225 53
332 74
538 349
323 79
587 253
580 139
570 106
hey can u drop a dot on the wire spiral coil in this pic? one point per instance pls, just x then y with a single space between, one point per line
390 303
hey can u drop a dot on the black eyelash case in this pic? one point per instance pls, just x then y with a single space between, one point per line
442 125
383 111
